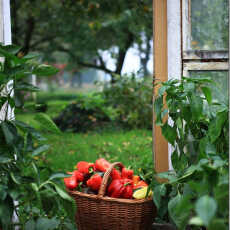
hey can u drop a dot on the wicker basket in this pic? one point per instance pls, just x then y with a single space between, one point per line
100 212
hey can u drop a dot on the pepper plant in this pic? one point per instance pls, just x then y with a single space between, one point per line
30 194
196 125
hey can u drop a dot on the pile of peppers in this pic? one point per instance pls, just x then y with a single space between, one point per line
87 177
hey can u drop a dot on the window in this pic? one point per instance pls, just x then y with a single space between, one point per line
205 40
191 39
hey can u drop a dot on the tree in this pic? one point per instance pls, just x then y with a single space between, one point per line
82 29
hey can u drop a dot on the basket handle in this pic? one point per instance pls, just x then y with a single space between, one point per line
106 176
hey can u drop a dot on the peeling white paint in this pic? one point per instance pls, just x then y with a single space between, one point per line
174 50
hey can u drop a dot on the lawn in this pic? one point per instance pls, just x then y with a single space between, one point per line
132 147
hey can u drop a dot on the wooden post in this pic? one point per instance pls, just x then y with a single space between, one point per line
161 74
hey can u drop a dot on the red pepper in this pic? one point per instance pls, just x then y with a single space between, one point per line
79 176
85 167
140 184
102 165
70 182
116 188
127 173
128 192
94 182
121 188
115 174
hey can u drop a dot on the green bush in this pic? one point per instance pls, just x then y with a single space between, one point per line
85 114
125 104
131 98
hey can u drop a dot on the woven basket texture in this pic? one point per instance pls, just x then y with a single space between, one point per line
100 212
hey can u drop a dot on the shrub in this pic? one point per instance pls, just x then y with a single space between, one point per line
85 114
127 104
131 97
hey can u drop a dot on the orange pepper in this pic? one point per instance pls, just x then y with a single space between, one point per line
140 184
136 179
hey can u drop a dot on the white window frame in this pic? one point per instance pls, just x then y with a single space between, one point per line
194 59
181 60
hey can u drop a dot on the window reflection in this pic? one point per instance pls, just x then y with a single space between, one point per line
209 24
220 89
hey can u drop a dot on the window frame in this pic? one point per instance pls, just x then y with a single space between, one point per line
172 21
194 59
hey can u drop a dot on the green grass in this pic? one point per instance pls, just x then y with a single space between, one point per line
131 147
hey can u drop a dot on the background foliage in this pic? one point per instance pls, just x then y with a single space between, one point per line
78 32
126 104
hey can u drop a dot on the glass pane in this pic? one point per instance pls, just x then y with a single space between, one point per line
220 91
209 24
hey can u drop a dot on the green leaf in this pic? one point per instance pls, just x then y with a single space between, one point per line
10 56
26 128
175 160
162 90
169 133
223 179
24 86
182 211
189 87
31 56
208 94
3 192
210 148
15 178
30 225
5 160
46 123
62 193
34 187
59 175
216 126
206 209
69 226
159 191
218 163
219 224
6 212
196 104
10 132
206 147
171 176
29 144
47 224
14 194
199 80
158 105
13 49
186 112
178 217
45 70
196 221
40 150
